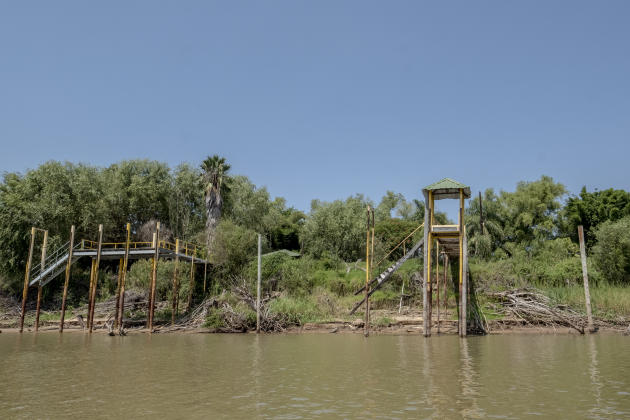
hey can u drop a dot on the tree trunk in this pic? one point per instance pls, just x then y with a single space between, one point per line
214 204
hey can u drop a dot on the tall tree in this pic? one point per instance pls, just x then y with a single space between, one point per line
216 180
484 224
590 209
531 212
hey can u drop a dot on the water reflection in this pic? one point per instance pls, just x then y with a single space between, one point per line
594 374
310 376
468 381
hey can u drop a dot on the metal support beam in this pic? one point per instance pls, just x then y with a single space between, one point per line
97 265
27 275
121 298
39 284
175 284
67 280
427 252
156 257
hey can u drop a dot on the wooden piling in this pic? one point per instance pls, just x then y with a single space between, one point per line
587 293
465 285
39 284
175 284
67 280
366 322
96 267
258 281
427 255
156 256
430 278
121 263
461 261
437 282
121 298
446 285
192 281
27 276
89 311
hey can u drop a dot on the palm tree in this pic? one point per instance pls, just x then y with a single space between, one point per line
484 224
215 179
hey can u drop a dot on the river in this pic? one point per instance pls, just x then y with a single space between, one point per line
75 375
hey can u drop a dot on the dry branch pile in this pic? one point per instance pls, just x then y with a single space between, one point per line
533 307
134 300
235 313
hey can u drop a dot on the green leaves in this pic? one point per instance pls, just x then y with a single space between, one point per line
336 228
611 253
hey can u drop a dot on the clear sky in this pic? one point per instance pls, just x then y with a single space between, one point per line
324 99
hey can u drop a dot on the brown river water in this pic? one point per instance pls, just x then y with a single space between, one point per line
314 376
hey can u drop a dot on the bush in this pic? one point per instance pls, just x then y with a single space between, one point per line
611 253
234 248
551 263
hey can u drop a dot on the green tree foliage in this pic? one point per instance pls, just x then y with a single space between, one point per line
336 228
590 209
485 231
391 201
391 232
186 206
440 218
135 191
531 212
235 246
56 195
611 253
252 207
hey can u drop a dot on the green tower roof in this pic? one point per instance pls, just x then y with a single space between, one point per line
447 188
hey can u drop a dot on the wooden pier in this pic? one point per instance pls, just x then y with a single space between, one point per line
61 260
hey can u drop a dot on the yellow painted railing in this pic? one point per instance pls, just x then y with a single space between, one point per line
186 248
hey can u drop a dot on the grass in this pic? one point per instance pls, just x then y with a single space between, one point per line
300 310
382 322
608 302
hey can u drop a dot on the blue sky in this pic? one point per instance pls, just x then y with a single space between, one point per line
324 99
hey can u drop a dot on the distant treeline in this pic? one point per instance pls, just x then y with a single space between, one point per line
538 221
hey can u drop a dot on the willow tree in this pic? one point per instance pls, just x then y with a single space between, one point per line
215 179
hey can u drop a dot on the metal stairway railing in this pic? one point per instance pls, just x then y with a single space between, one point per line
53 266
381 278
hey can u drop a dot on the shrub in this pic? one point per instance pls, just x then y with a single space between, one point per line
611 253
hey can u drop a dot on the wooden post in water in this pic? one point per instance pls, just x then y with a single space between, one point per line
465 285
461 260
67 280
426 324
121 263
587 293
121 297
27 276
42 267
371 264
175 284
437 282
366 323
445 285
89 309
156 257
258 281
96 267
